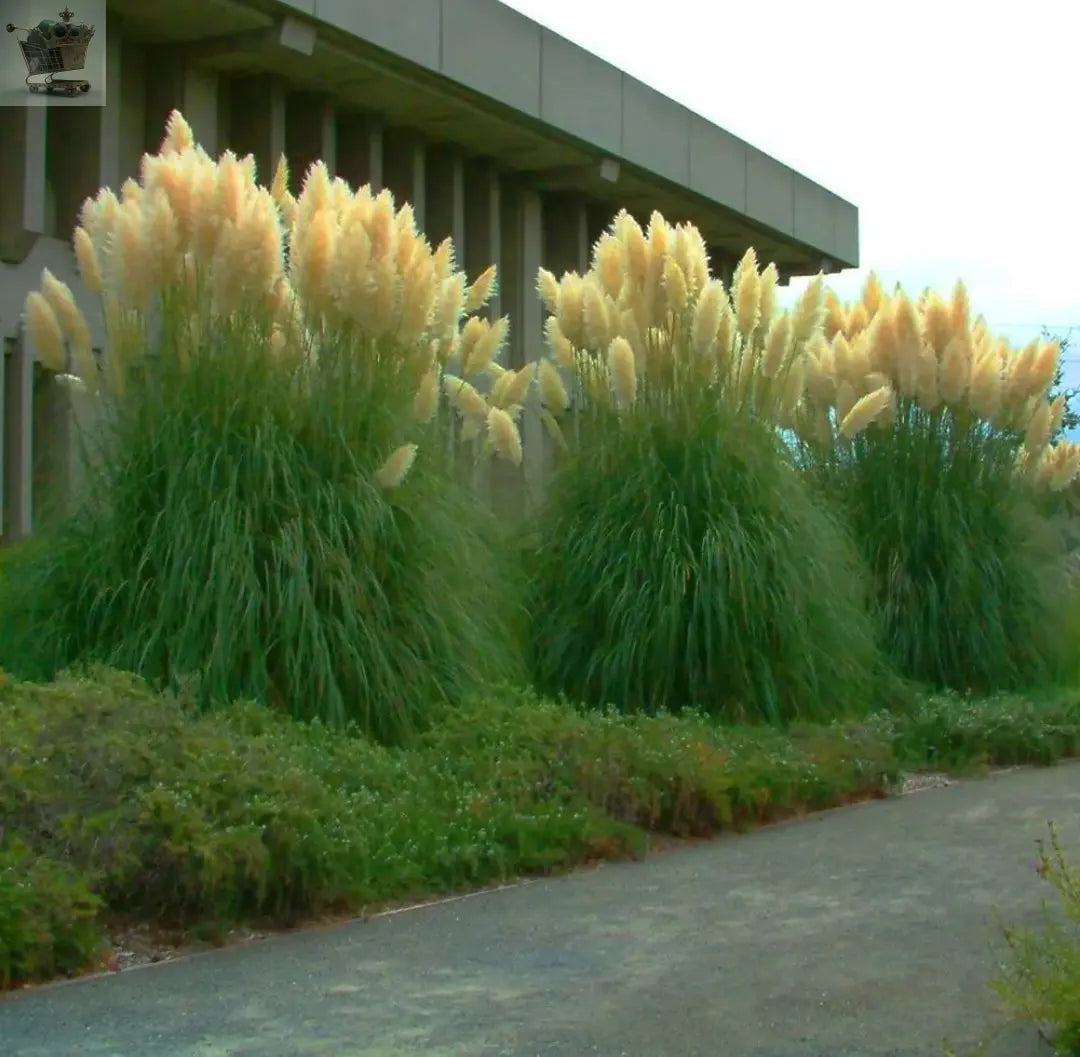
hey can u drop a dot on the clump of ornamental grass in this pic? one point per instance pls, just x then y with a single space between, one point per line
268 510
679 559
944 489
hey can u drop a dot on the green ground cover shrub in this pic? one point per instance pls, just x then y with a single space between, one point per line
953 732
48 917
121 801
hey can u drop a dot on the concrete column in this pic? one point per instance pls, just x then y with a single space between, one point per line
599 216
256 111
111 129
200 106
130 109
18 423
522 250
174 83
721 264
73 166
567 248
310 135
359 150
584 247
404 171
483 226
522 256
328 135
23 131
566 234
445 201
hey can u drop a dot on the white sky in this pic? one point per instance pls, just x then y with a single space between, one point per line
953 125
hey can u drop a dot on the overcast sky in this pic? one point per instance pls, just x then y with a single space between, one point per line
955 130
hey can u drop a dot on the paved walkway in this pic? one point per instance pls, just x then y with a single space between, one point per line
863 932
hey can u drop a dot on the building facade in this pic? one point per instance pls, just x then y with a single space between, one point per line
515 142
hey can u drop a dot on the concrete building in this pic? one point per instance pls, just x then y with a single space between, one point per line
502 134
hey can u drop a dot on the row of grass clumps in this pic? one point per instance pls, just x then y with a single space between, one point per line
120 802
276 440
766 514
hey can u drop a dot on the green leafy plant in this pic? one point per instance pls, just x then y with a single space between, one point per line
1041 982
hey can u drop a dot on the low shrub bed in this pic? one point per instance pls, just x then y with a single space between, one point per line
119 801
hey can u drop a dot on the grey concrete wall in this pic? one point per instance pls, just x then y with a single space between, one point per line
499 53
445 201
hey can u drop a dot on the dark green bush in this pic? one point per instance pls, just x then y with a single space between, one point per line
48 918
243 813
681 562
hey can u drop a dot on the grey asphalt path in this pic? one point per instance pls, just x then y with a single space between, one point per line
862 932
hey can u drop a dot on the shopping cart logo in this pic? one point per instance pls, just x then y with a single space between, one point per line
55 47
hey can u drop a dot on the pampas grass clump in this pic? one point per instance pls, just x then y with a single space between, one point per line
267 512
679 559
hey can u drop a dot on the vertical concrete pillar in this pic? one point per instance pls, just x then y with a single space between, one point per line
522 256
359 150
73 164
256 121
172 82
129 108
310 135
110 131
199 105
404 171
599 216
328 135
445 200
721 264
419 183
483 225
566 233
19 438
24 133
567 248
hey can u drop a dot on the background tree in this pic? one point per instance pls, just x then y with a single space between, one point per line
1071 420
